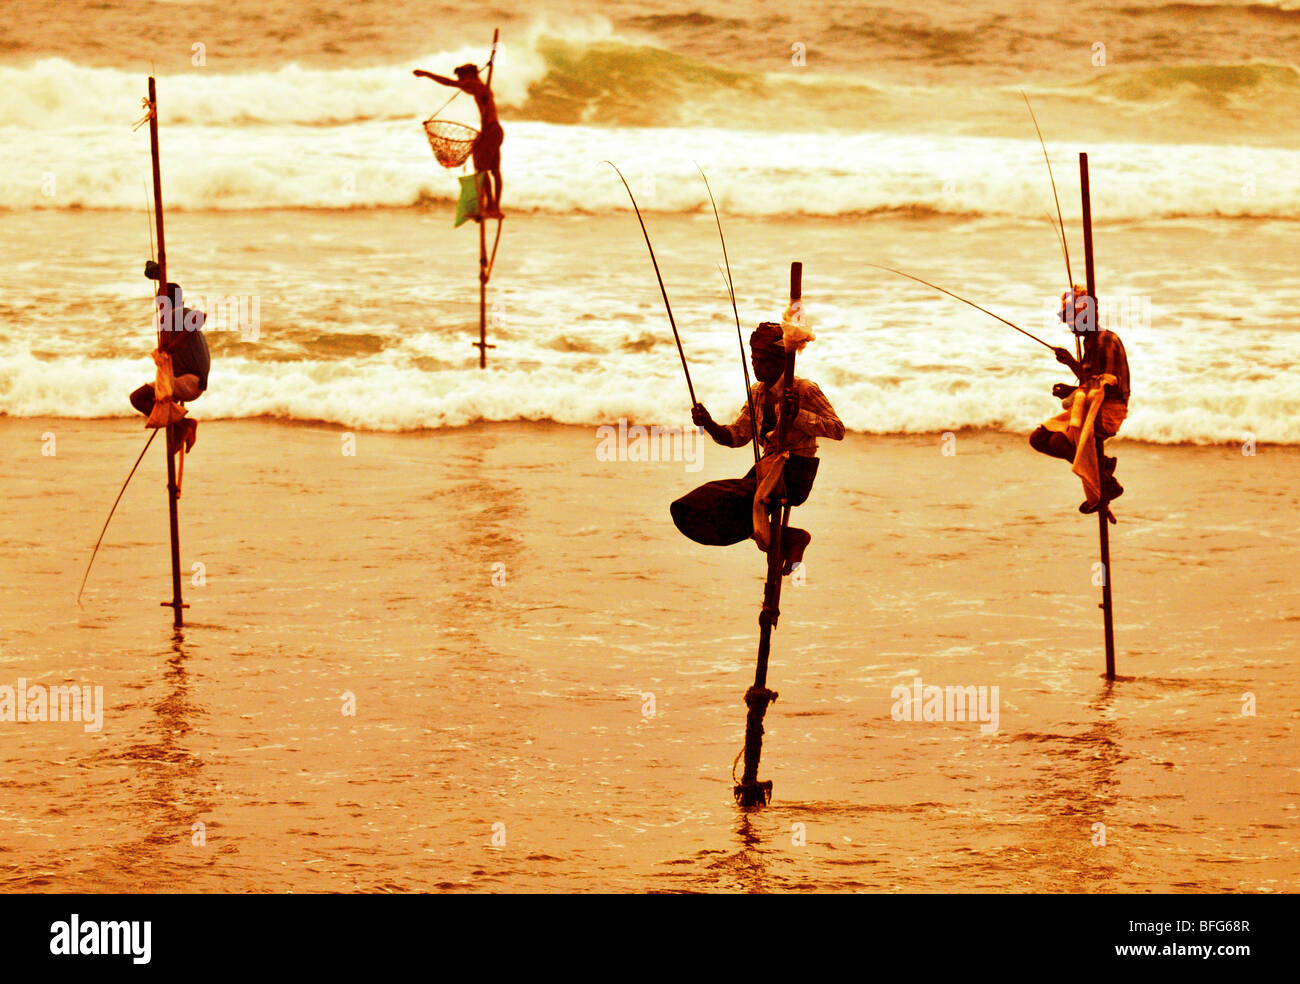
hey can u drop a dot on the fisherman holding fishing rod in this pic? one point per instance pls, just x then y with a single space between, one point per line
1104 360
733 510
721 513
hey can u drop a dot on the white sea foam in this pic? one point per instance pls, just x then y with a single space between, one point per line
560 169
900 389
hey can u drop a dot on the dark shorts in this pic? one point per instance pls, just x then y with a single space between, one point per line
487 148
721 513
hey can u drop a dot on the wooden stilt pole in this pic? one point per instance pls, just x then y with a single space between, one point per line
176 604
750 792
482 283
481 179
1103 510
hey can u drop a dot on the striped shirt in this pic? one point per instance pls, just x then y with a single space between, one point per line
816 418
1106 355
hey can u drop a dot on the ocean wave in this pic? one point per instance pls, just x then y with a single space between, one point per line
1253 85
890 399
589 74
1263 11
559 170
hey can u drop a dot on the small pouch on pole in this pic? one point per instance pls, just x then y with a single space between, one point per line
467 205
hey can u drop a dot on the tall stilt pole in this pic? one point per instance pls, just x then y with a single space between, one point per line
482 285
484 268
176 604
750 792
1103 510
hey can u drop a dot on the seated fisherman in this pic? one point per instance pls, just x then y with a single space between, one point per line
1103 353
182 339
722 513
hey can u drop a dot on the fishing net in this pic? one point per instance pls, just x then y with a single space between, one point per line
451 142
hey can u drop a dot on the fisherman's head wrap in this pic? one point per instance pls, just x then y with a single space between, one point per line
766 339
170 307
465 70
1078 296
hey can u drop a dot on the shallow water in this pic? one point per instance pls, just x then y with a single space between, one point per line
438 643
523 703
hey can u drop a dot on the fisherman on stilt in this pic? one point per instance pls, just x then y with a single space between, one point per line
183 362
487 145
723 512
1098 402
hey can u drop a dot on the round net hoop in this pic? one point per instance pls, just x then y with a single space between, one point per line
451 142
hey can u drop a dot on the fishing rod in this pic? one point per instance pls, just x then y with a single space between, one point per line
964 301
744 366
1051 177
148 205
1060 240
658 275
152 434
1065 248
731 290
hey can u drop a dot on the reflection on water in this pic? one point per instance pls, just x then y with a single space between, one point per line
169 795
1074 800
748 865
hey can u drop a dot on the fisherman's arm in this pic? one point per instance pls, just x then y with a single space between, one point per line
1069 361
720 434
440 79
1112 359
816 416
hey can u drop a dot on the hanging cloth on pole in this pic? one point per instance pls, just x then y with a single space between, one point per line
165 410
1085 411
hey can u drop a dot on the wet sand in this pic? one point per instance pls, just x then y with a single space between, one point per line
523 703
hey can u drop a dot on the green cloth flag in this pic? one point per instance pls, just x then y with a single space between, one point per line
467 206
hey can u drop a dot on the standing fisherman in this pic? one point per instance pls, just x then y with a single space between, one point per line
1103 376
722 513
487 146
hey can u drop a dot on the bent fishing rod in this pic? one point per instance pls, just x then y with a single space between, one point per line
958 297
731 291
121 492
1065 248
148 204
660 278
1052 178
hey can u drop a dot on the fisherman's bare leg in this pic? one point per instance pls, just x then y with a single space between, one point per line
800 474
795 543
184 389
1113 489
1052 443
143 399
